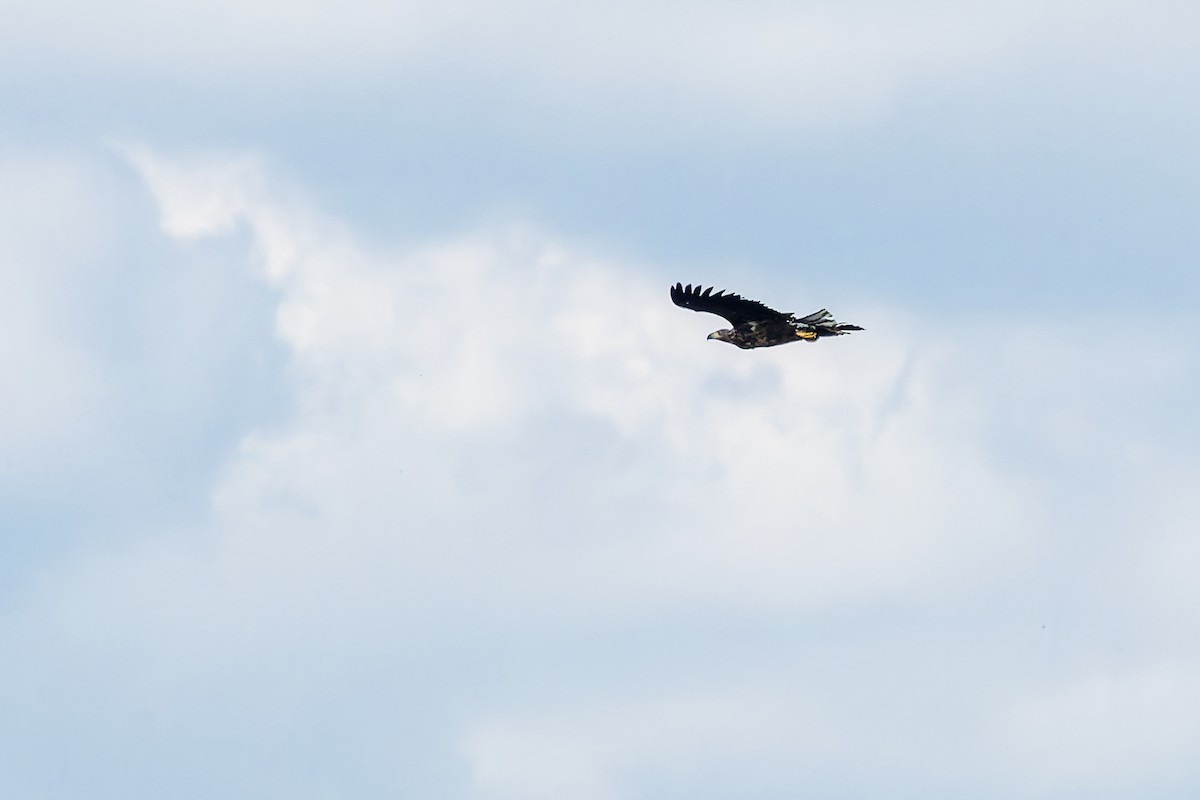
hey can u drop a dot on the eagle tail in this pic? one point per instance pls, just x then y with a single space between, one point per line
821 323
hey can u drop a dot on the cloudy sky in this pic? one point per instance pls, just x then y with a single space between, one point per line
351 448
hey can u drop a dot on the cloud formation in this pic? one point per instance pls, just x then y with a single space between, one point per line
755 68
464 360
519 530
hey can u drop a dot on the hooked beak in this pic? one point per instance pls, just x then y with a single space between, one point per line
714 335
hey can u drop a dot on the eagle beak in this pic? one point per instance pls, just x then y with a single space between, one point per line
714 335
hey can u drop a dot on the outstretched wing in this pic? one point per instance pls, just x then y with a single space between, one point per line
732 307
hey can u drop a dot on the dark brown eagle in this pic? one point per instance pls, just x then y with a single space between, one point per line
755 325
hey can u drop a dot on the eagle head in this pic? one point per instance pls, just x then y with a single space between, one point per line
723 334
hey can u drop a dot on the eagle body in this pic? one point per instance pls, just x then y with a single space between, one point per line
754 324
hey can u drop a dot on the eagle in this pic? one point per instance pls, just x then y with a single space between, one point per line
754 324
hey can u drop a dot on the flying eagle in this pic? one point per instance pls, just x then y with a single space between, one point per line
755 325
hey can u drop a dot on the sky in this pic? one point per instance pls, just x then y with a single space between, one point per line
350 446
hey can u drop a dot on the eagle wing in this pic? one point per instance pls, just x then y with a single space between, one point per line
735 308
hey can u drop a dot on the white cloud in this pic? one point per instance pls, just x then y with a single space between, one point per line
1115 731
621 66
499 439
203 195
810 477
594 752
